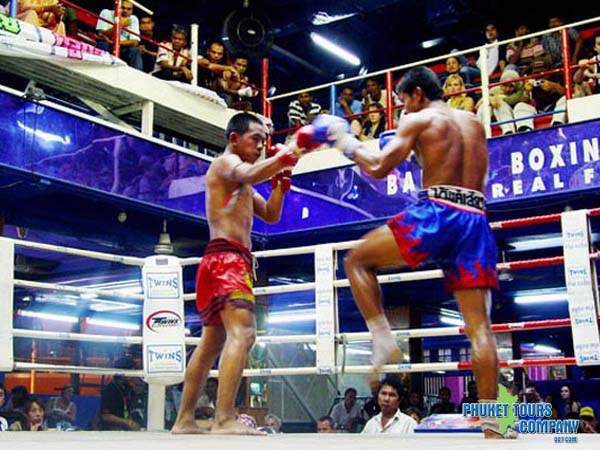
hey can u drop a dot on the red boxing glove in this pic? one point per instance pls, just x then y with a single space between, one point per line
304 139
284 154
286 180
283 179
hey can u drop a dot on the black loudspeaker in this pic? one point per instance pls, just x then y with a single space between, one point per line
248 32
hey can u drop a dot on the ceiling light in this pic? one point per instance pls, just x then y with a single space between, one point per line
48 316
322 18
432 42
335 49
546 349
452 321
305 315
113 324
532 298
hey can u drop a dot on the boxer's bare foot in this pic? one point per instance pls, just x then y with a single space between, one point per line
232 426
491 434
189 427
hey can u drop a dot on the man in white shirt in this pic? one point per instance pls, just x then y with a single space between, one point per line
494 63
390 420
347 414
130 52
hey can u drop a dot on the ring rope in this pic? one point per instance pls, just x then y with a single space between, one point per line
76 289
128 260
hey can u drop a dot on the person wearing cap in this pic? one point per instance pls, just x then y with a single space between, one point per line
588 421
508 100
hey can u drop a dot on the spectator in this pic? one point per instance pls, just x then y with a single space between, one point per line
170 66
205 408
130 52
18 398
530 395
375 123
547 95
303 110
137 402
325 425
3 422
71 22
414 400
374 94
346 414
568 397
148 49
453 67
454 83
273 422
550 399
114 411
390 420
508 101
61 412
346 104
371 408
588 70
43 13
552 43
212 66
468 69
34 414
494 63
471 395
235 85
415 413
527 57
444 406
588 421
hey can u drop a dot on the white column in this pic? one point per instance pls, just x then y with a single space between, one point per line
156 407
7 257
194 51
148 118
485 91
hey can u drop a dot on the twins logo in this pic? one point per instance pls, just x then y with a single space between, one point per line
163 319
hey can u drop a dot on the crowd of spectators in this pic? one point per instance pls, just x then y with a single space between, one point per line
391 409
513 104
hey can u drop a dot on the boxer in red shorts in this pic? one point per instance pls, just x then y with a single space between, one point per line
224 279
448 224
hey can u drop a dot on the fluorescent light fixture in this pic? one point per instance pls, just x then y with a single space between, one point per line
532 298
546 349
302 315
452 321
432 42
113 324
322 18
335 49
48 316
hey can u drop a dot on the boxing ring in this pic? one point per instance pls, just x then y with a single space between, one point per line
330 345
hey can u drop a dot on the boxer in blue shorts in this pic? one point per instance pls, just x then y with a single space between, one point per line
447 225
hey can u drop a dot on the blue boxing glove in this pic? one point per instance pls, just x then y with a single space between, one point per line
387 136
329 129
